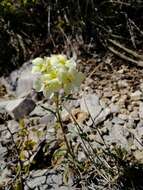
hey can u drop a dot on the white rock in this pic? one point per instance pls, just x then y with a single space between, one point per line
91 103
25 84
21 81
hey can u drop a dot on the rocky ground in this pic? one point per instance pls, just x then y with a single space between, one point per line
110 100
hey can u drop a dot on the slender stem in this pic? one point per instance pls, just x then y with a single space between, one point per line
69 148
19 174
61 125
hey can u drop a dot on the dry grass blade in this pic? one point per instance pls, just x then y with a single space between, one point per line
133 53
126 58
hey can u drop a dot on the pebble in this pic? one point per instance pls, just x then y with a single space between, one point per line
141 110
114 108
137 95
117 121
122 84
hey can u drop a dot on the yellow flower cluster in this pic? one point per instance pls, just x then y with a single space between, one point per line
56 73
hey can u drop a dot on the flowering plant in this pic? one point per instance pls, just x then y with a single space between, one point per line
56 73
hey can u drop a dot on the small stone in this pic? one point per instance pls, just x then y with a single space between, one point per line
133 147
107 92
4 176
48 119
122 84
141 87
138 154
121 71
3 105
141 110
114 108
20 107
108 124
38 173
140 124
81 156
13 126
123 116
122 100
134 115
115 98
130 108
36 181
137 95
105 130
3 152
131 123
117 121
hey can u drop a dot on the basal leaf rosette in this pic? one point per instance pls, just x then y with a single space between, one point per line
56 73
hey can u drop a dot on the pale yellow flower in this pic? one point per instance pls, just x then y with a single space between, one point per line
57 73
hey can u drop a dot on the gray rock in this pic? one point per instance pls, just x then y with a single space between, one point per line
123 117
114 108
38 173
140 124
3 105
91 103
118 121
20 107
38 111
3 152
81 156
4 173
13 126
44 180
131 123
48 119
35 182
117 135
102 116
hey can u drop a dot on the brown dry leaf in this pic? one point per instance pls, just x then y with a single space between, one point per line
3 90
79 115
82 116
